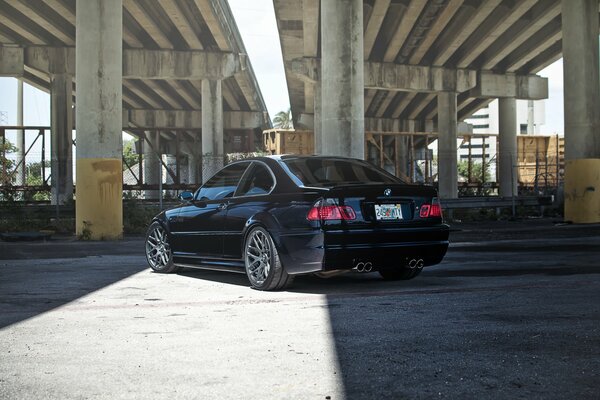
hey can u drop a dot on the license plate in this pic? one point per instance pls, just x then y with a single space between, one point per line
385 212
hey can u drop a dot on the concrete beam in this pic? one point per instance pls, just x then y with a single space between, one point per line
435 30
404 27
11 61
192 120
137 63
307 69
380 9
390 76
506 15
388 125
52 60
310 25
463 32
526 87
167 64
306 121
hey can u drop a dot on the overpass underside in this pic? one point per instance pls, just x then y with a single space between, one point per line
173 73
356 66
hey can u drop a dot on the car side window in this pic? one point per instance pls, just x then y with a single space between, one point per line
223 183
259 181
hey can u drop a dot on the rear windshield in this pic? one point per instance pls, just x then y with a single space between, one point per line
330 172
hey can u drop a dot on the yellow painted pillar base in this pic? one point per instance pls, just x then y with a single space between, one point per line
99 199
582 191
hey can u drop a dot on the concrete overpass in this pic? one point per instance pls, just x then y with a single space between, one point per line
356 65
173 68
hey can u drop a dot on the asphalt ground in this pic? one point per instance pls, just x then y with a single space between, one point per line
512 312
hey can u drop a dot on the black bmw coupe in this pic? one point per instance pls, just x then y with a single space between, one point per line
276 217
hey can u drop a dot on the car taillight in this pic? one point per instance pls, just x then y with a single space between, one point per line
328 213
430 211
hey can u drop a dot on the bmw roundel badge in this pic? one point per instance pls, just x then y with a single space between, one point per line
387 192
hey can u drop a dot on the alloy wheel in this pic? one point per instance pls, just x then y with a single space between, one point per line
258 257
158 249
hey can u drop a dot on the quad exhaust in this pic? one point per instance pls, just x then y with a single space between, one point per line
364 267
416 263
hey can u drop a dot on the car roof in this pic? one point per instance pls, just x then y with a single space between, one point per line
284 157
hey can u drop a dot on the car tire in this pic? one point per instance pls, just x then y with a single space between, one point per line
262 263
399 274
158 249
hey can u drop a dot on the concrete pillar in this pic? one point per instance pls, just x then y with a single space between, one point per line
20 176
212 128
99 52
582 110
342 79
317 121
171 163
61 134
152 165
530 117
507 147
403 150
192 170
447 164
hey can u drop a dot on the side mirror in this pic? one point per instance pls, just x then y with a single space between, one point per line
186 196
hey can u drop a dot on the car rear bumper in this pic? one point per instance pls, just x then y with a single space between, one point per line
384 254
315 251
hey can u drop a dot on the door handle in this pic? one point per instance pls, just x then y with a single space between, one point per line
222 206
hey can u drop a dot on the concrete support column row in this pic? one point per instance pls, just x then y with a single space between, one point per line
447 164
507 151
212 128
99 206
342 80
61 121
582 110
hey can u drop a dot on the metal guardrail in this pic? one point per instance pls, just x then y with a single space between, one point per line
46 209
497 202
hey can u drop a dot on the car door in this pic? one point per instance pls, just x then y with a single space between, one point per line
251 197
199 228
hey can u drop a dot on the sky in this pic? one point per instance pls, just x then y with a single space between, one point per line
256 22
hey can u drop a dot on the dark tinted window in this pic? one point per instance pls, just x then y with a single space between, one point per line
223 184
327 172
258 182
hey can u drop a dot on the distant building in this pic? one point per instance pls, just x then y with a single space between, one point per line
531 117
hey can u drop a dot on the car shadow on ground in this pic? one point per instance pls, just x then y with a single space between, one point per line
350 283
228 278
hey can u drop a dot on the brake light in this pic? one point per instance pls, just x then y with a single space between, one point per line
430 211
328 213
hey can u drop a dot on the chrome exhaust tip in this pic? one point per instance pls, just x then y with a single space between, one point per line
360 267
420 263
412 264
368 267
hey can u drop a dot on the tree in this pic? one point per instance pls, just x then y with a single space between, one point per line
129 156
34 178
476 171
283 119
5 162
6 168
